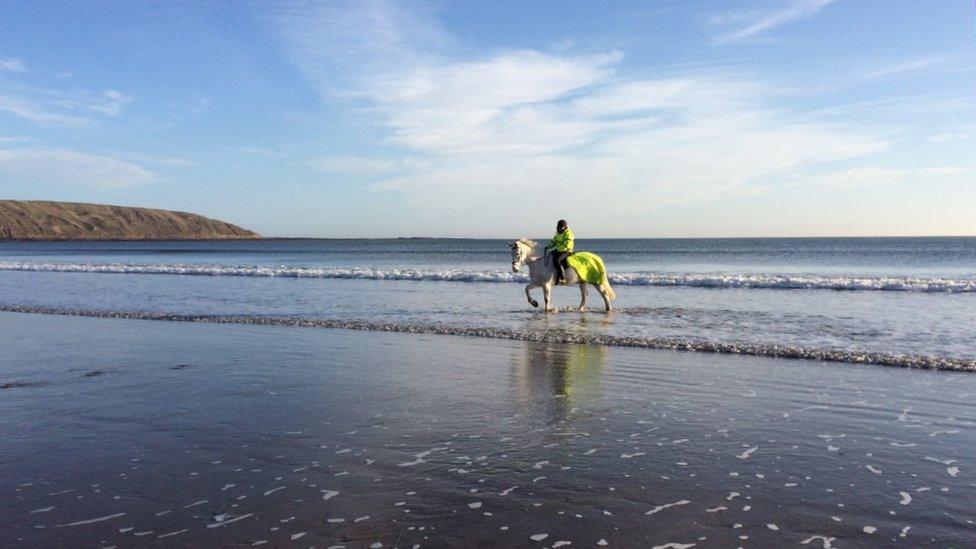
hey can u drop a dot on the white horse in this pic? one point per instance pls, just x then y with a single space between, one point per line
542 274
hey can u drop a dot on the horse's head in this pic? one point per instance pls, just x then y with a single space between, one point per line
520 252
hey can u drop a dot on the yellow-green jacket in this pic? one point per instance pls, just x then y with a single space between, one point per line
562 242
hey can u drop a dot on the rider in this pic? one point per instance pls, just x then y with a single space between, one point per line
561 247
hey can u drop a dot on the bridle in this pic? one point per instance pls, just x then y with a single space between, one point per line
522 257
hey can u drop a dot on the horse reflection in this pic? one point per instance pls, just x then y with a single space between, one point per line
559 380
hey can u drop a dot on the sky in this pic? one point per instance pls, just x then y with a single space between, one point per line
371 118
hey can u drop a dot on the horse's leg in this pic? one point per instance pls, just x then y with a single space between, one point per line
582 306
547 296
606 299
532 302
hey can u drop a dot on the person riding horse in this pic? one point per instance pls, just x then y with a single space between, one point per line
587 268
559 248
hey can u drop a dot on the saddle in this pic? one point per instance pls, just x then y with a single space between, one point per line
549 258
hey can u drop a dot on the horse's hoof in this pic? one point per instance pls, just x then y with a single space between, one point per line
582 309
534 303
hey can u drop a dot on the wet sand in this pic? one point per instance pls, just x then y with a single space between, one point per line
120 432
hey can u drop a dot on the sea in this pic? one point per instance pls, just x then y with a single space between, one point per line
891 301
404 393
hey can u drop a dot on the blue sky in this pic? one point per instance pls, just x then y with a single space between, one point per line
494 119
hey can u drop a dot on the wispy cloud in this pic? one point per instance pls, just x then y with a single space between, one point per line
948 136
256 151
36 112
68 167
357 165
110 102
55 106
909 66
508 131
13 65
910 106
107 103
335 42
167 161
510 103
943 170
751 26
864 176
868 176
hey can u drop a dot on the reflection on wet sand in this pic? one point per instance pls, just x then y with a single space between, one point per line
205 435
559 379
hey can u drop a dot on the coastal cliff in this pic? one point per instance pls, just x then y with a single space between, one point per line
43 220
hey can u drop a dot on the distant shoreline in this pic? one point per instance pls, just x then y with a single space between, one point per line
77 240
46 221
541 239
458 238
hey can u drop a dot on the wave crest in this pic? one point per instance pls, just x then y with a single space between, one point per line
746 281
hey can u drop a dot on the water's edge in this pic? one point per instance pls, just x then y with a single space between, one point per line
549 336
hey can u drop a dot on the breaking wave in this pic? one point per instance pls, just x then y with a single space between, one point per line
549 336
761 281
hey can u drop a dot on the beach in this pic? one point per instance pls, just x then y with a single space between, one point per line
122 432
394 274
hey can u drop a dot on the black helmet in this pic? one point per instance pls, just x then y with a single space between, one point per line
562 225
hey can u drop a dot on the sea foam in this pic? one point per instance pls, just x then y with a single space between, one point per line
748 281
772 350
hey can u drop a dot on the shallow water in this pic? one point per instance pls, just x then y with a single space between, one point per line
857 298
127 432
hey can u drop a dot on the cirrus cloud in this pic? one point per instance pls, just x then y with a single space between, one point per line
13 65
36 112
68 167
762 22
510 131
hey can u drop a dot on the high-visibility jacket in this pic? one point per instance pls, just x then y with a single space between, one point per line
562 242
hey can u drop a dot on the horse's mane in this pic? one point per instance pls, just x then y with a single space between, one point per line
533 247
